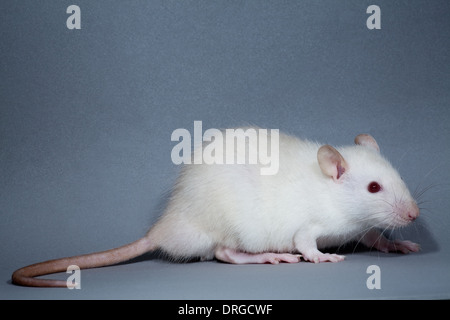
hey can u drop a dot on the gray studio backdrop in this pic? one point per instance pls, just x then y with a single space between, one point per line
86 117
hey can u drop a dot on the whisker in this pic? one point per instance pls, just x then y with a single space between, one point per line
362 236
366 230
432 169
389 226
375 216
419 193
350 237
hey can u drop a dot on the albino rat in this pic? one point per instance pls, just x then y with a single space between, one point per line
321 197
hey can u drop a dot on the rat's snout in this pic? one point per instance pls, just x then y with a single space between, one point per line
406 213
412 212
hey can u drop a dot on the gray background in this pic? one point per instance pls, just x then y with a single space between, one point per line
86 117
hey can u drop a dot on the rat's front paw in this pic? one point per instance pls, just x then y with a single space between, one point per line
374 239
317 256
403 246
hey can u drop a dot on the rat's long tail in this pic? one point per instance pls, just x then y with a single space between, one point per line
25 276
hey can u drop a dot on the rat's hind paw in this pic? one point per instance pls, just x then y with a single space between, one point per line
239 257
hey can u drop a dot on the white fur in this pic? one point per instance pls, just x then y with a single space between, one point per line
233 206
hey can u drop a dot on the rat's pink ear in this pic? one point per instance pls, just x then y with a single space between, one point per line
368 141
331 162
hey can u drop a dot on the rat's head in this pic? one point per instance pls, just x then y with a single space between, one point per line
370 185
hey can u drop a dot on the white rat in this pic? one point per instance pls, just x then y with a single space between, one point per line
321 197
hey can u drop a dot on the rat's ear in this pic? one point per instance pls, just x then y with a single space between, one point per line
331 162
368 141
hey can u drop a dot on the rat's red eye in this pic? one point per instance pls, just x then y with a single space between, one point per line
374 187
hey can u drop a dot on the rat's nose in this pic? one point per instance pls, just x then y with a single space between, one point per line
413 212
